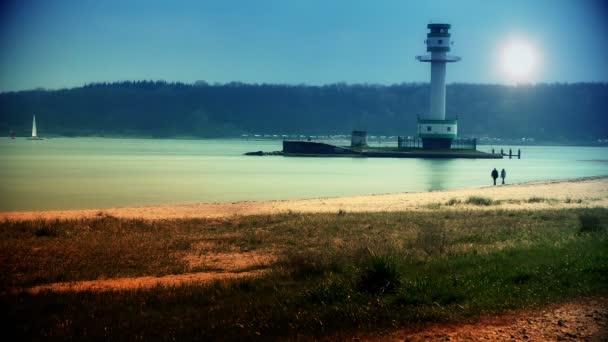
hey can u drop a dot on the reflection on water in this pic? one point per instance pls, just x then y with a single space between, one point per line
100 173
438 171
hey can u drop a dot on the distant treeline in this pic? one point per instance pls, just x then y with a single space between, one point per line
552 112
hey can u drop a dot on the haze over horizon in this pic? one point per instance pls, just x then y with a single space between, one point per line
67 43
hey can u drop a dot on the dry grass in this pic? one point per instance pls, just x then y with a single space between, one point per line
42 252
320 273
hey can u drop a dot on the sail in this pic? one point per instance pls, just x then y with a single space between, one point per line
34 132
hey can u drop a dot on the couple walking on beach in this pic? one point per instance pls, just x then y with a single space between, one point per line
503 175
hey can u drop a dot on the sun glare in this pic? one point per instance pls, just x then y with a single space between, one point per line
519 61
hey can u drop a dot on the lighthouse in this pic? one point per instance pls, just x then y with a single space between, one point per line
434 129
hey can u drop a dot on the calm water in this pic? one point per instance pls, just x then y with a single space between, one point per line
68 173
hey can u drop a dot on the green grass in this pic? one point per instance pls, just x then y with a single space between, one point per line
453 201
432 206
482 201
334 273
590 222
536 199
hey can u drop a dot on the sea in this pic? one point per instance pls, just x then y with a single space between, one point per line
81 173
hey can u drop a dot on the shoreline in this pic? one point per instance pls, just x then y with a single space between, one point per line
550 194
506 141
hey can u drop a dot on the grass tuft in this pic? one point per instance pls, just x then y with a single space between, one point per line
433 206
379 274
481 201
536 199
453 201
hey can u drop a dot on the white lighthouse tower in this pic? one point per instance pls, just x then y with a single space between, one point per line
437 132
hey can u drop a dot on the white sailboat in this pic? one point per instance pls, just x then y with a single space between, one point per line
34 131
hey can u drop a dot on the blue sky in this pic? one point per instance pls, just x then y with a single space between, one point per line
65 43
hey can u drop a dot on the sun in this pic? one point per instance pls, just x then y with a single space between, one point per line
519 61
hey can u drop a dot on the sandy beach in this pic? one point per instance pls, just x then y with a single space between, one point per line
574 193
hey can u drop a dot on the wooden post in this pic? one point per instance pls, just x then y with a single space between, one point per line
518 153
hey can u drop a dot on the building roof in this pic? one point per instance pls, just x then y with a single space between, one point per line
439 26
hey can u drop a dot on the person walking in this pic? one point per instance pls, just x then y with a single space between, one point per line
494 175
503 175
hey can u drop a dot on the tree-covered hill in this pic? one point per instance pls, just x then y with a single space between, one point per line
552 112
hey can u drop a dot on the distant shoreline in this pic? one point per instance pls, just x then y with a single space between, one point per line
504 142
551 194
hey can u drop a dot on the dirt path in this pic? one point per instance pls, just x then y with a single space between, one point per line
583 320
589 192
117 284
